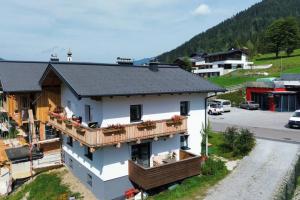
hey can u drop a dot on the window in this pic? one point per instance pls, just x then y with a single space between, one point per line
69 105
184 108
135 113
88 153
184 145
87 113
89 180
70 141
71 163
25 102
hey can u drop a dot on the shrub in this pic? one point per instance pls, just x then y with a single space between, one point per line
244 142
212 167
240 142
230 135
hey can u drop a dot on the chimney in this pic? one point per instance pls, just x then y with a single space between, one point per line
54 58
69 56
124 61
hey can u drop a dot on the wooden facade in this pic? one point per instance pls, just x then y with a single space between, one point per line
149 178
18 104
98 137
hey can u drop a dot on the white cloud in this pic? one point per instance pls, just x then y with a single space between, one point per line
202 9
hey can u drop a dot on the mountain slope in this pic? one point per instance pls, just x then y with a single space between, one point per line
241 30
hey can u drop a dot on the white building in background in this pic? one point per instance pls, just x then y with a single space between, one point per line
219 64
158 113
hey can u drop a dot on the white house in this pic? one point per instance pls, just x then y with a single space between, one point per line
219 64
139 126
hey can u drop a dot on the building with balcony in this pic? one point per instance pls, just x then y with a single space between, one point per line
218 64
24 100
125 126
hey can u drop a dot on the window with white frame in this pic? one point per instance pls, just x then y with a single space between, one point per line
69 104
87 113
136 113
184 108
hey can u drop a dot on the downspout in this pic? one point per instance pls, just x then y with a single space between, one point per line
206 122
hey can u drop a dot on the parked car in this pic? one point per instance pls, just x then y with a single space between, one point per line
249 105
294 121
214 109
226 104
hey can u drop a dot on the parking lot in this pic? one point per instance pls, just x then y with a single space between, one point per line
264 124
254 118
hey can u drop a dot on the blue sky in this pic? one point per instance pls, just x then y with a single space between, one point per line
101 30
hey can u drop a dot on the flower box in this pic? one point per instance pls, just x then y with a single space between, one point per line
68 123
114 129
147 125
175 121
81 130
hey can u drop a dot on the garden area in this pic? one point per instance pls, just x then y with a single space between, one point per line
232 145
46 186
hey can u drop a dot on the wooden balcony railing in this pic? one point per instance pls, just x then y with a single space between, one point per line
98 137
149 178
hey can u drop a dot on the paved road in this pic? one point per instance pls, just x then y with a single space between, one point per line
264 124
259 175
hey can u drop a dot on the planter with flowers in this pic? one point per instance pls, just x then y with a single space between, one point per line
68 123
114 129
176 120
146 125
79 129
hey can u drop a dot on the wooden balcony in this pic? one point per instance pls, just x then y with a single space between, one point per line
98 137
149 178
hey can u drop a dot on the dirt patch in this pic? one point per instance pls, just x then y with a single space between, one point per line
75 185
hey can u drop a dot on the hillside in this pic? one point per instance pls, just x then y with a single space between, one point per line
289 65
241 30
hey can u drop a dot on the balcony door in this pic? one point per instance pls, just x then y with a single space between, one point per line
140 153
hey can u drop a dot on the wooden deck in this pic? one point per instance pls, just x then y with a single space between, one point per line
149 178
98 137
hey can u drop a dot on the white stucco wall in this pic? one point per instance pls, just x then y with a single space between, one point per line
77 106
111 162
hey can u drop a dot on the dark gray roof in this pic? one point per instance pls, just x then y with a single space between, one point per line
290 77
22 154
115 80
21 76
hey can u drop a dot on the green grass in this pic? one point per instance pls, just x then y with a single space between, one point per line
289 65
235 97
192 187
46 186
218 148
227 80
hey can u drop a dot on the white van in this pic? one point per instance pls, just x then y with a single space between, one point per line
226 104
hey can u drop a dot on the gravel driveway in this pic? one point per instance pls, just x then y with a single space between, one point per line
259 175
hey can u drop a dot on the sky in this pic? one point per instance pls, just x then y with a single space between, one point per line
102 30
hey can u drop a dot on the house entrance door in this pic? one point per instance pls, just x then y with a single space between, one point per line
140 153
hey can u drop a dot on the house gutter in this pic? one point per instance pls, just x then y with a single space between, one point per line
206 122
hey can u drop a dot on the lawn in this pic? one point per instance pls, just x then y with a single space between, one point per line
289 65
218 148
46 186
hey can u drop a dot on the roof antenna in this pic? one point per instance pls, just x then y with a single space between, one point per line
69 55
54 58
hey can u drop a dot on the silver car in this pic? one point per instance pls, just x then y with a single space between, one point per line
249 105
